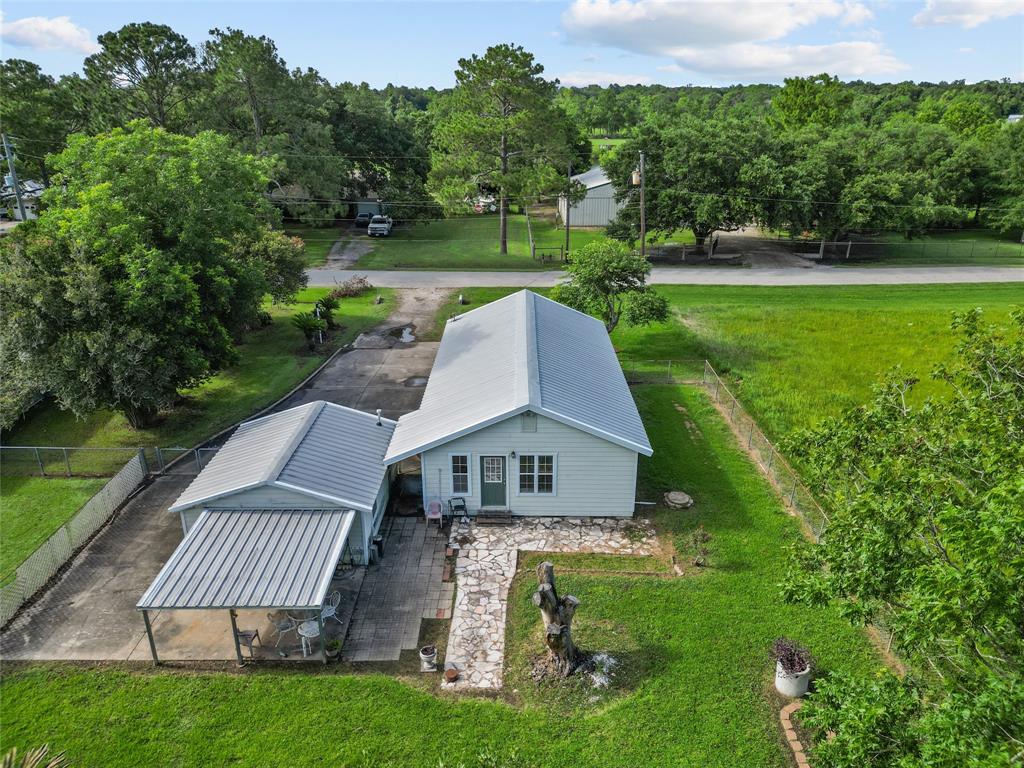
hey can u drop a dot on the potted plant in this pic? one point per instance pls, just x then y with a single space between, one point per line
333 648
792 668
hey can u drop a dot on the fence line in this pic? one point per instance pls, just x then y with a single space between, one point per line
772 463
43 564
68 461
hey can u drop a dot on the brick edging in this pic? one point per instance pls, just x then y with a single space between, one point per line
799 754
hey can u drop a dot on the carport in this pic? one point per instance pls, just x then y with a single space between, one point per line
240 559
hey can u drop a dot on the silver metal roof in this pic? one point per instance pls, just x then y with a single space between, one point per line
593 177
253 559
522 353
325 451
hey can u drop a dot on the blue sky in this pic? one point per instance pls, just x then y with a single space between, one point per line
579 41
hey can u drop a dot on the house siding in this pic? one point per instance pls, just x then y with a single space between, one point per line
593 477
597 209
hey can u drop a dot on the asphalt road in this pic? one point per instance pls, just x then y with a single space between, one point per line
816 275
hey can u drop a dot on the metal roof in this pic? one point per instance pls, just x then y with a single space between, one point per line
522 353
593 177
246 558
325 451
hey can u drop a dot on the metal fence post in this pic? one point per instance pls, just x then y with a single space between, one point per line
750 437
199 463
669 371
39 461
792 495
142 460
67 461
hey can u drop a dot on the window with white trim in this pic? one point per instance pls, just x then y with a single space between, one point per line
460 474
537 473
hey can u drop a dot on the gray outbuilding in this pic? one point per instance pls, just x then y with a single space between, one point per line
598 208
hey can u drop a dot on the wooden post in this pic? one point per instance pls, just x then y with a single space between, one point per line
149 634
234 636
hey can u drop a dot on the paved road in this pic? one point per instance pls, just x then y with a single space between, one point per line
817 275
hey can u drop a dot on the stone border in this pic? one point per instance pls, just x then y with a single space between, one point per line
791 738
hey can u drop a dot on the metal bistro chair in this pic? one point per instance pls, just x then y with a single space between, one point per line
330 609
246 637
282 626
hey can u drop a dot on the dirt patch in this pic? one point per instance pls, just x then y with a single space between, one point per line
347 251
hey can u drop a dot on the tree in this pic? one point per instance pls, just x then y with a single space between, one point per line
152 254
926 524
499 129
694 173
144 71
608 280
31 109
1008 213
557 614
817 100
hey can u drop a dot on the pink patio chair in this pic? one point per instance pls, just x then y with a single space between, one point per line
435 511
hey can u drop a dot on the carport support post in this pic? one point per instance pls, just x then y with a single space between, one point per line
234 636
323 641
149 634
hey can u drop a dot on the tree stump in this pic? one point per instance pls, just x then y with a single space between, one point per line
557 614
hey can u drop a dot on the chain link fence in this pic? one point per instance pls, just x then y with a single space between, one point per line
772 464
44 563
61 461
677 371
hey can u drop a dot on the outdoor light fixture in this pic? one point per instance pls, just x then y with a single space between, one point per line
513 454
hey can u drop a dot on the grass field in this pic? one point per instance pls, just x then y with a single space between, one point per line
796 355
32 508
693 685
271 361
980 247
469 242
318 241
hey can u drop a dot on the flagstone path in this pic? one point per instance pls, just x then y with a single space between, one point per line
484 569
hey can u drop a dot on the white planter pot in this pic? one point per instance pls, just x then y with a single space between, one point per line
792 684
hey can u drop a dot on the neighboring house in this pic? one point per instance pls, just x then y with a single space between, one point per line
31 192
526 410
598 208
369 203
1014 119
317 457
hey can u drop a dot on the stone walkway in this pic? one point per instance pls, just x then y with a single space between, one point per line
399 591
486 564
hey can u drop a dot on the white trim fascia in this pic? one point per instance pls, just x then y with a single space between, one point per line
348 504
336 550
475 427
178 507
646 450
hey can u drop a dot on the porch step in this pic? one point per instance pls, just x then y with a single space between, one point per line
494 517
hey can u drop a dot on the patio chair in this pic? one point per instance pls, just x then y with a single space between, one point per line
246 637
330 609
282 626
435 511
457 506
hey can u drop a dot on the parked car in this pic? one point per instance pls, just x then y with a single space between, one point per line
380 226
362 219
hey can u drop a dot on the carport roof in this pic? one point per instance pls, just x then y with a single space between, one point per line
253 558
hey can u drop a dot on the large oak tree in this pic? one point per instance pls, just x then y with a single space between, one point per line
153 253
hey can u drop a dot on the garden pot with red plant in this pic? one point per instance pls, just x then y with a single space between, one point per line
792 668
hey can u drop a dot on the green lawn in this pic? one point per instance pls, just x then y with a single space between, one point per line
794 355
693 685
979 247
318 241
469 242
271 361
32 508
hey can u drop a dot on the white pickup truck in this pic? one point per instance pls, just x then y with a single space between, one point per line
380 226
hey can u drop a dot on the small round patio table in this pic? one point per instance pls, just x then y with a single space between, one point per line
307 631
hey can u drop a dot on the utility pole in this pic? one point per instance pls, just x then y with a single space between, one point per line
568 207
643 209
12 177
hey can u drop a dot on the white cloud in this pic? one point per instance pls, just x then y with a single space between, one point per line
590 57
670 68
579 78
741 37
966 50
48 34
966 13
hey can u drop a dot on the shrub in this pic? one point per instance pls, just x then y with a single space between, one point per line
352 287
